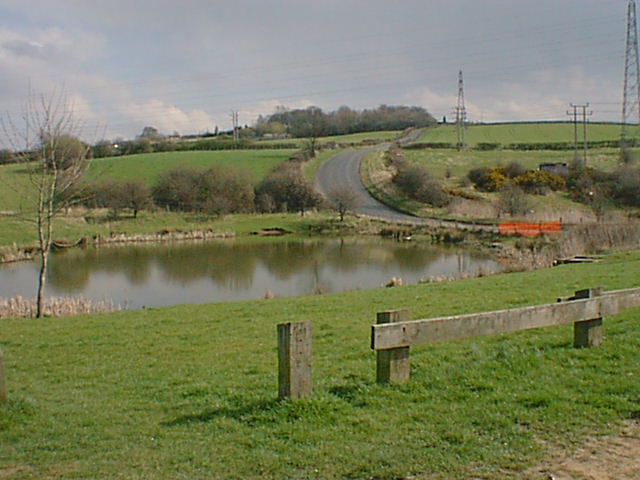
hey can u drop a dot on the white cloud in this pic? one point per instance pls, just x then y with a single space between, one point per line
165 117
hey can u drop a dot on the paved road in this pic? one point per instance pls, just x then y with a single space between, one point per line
343 170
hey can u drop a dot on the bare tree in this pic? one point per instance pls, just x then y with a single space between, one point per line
342 200
46 144
512 199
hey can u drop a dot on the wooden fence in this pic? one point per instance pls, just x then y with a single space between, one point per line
394 334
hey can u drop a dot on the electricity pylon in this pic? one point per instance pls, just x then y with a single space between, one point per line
631 96
461 112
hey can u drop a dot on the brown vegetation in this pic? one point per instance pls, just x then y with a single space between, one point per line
19 307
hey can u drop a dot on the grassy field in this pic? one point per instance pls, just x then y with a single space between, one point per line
386 135
149 166
520 133
190 391
453 163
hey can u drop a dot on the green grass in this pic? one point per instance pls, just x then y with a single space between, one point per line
520 133
72 227
190 391
442 163
14 180
386 135
149 166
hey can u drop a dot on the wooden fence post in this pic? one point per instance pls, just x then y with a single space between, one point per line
588 333
294 360
392 365
3 388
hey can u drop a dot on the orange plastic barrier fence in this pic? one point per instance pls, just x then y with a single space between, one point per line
529 229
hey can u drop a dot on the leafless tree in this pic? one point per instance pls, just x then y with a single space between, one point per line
46 144
342 200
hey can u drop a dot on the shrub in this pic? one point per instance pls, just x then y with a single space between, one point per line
117 195
104 149
539 182
285 189
515 169
486 146
512 199
487 179
217 190
477 176
626 186
6 156
416 183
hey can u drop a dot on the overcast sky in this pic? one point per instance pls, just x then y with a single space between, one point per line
184 65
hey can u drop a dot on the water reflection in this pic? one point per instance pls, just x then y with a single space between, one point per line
222 270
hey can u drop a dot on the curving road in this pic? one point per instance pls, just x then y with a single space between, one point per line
343 170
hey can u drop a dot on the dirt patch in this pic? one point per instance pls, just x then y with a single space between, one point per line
12 471
602 458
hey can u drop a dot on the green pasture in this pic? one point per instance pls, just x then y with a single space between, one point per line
387 135
189 392
14 179
546 132
149 166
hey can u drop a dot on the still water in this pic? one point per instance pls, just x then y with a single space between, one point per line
224 270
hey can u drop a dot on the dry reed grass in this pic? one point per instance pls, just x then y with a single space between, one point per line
19 307
585 239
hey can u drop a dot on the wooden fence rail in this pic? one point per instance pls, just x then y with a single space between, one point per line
585 310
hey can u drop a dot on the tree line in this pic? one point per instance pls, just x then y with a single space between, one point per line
313 122
214 191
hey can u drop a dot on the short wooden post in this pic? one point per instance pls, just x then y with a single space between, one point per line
588 333
392 365
294 360
3 388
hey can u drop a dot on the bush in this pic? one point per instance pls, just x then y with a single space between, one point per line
512 199
217 190
626 186
486 146
117 195
515 169
286 190
539 182
6 156
416 183
487 179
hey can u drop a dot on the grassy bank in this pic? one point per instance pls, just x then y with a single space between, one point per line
81 223
189 391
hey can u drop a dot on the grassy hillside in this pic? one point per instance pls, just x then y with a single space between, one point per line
149 166
520 133
190 391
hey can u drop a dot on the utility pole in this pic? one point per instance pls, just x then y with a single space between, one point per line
585 114
575 130
631 95
461 113
234 121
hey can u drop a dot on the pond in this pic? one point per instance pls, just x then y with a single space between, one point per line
225 270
